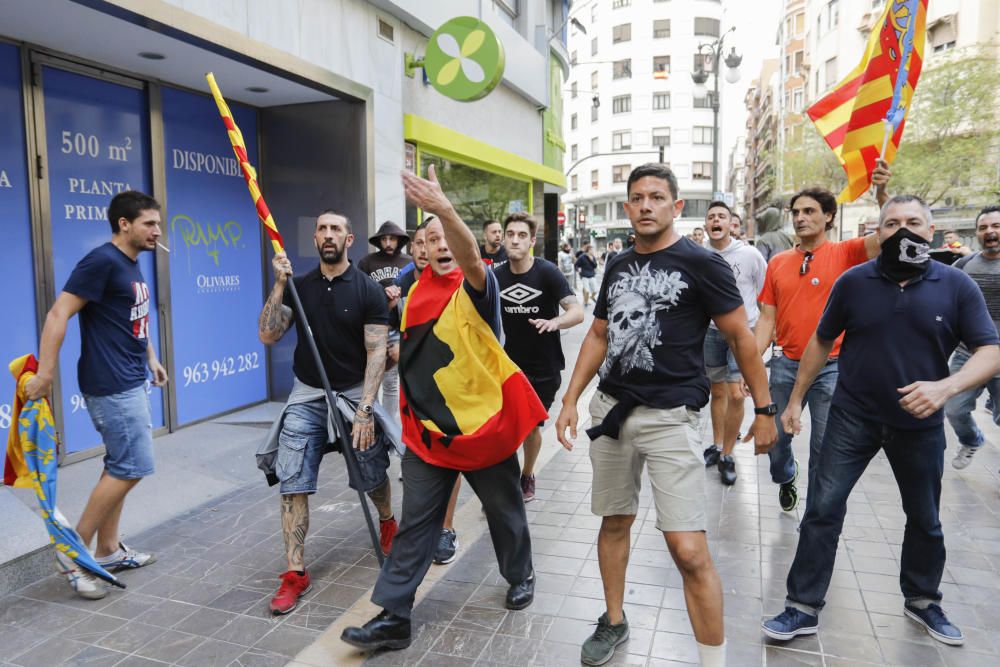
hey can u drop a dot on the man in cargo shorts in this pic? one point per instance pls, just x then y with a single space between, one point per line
650 320
108 290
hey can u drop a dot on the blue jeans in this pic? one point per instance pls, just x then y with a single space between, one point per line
125 422
917 461
959 408
302 443
783 372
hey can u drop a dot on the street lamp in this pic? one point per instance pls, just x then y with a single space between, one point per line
700 78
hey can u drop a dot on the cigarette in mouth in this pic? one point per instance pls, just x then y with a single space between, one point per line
165 248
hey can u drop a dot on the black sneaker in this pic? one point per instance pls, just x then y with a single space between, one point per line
788 495
936 623
447 547
600 646
712 455
727 470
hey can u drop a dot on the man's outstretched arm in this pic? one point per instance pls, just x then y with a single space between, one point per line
426 194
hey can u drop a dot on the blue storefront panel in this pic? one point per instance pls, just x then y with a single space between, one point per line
97 144
18 335
215 259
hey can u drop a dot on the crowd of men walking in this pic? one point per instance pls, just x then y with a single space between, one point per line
880 342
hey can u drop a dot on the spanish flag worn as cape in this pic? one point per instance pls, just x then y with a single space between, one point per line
464 404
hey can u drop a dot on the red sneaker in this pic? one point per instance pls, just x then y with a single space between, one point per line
293 586
386 531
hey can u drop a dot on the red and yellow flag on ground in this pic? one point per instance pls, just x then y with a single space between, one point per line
864 116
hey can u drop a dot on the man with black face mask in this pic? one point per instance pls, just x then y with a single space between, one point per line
983 268
902 315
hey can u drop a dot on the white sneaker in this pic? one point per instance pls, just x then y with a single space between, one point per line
84 583
964 457
126 558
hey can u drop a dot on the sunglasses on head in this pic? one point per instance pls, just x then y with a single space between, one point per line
806 258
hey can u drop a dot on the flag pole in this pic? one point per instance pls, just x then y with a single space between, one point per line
346 446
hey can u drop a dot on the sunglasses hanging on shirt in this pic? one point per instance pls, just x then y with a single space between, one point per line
806 258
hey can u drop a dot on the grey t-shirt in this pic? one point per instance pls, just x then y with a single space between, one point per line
749 268
984 272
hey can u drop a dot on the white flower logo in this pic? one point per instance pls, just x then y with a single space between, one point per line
461 57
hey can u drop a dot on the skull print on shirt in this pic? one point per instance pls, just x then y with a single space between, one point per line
634 300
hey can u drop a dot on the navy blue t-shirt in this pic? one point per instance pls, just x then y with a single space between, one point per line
114 325
895 336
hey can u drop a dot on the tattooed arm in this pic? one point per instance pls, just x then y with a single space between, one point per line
376 337
276 317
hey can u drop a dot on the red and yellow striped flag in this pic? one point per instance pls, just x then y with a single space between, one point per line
240 148
867 110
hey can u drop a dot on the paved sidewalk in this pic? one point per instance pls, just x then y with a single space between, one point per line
205 602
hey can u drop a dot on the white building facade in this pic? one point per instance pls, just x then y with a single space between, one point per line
629 96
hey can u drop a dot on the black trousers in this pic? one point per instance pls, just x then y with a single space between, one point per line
426 490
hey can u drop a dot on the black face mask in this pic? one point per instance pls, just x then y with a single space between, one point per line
904 256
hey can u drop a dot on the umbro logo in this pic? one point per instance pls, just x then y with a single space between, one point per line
520 294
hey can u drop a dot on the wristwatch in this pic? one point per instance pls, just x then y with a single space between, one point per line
365 408
769 411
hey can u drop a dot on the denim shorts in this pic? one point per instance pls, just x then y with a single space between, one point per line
720 363
125 422
302 443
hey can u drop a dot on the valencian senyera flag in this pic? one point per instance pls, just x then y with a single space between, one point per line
863 118
31 463
464 404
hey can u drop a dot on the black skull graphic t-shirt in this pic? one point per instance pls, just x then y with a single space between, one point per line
658 307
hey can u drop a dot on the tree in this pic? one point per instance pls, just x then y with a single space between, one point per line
807 161
949 147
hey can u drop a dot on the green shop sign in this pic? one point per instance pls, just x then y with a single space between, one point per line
464 59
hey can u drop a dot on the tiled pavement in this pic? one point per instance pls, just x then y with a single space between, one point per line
205 602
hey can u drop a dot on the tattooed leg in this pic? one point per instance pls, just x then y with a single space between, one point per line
382 497
294 526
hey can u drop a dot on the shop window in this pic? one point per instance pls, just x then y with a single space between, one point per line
479 195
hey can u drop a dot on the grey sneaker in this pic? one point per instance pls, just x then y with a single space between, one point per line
126 558
600 646
447 547
963 457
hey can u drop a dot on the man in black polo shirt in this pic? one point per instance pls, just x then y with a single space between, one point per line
902 315
531 292
348 315
492 250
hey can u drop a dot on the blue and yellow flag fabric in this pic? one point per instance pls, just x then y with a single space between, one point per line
32 462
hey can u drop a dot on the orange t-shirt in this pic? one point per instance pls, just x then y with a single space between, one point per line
801 299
